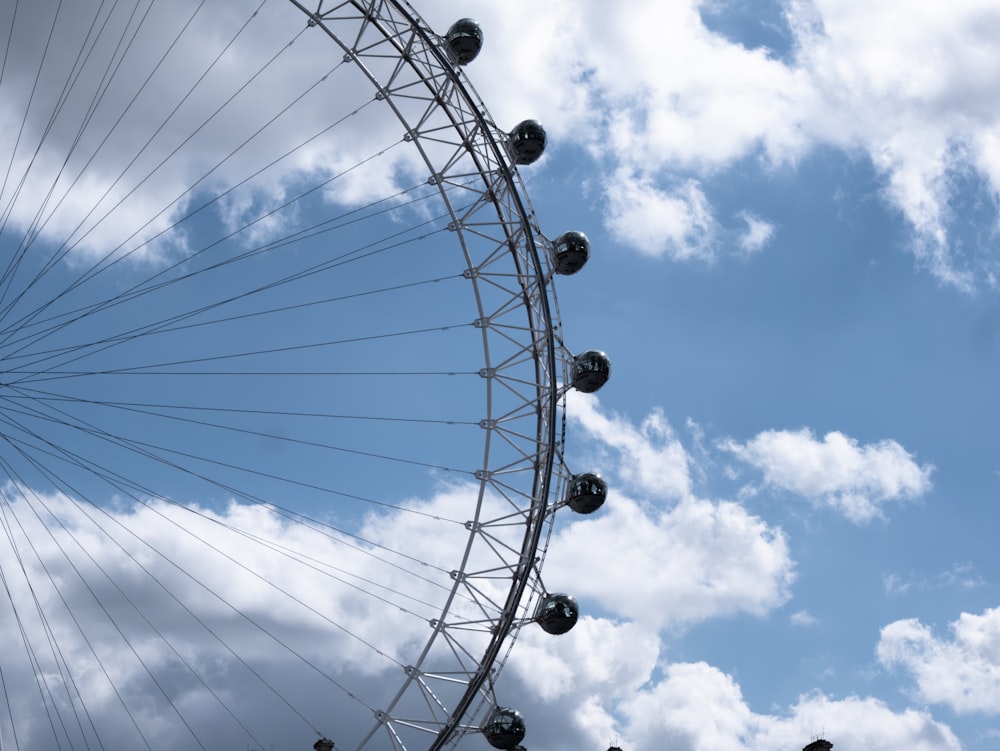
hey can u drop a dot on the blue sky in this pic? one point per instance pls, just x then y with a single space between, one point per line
792 206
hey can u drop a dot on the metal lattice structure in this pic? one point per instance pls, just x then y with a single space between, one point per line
507 264
221 383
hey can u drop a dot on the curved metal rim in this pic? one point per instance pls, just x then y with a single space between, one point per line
420 50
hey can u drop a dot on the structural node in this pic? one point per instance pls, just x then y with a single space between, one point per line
504 729
570 252
557 613
590 371
465 40
527 141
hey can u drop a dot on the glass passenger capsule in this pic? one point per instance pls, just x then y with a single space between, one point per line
587 493
528 141
590 371
465 40
504 729
557 613
323 744
570 252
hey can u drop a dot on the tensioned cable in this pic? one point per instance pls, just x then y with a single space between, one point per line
99 269
125 443
136 608
44 689
103 263
146 286
30 232
83 634
72 495
184 321
34 88
29 398
61 100
284 592
242 493
64 249
140 289
6 50
109 618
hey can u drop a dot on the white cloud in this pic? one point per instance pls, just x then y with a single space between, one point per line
696 561
147 154
757 234
962 672
803 618
677 223
598 657
960 575
697 707
224 603
650 458
675 559
915 98
658 98
856 480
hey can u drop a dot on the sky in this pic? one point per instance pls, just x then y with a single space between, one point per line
792 207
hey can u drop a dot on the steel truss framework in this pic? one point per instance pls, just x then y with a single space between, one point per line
448 690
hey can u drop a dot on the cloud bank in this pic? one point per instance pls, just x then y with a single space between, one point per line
665 105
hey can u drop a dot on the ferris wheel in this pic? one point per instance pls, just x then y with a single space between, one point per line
283 392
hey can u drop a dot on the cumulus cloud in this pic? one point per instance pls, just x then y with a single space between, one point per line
649 456
855 480
201 101
697 707
916 99
962 671
677 223
696 561
174 623
667 558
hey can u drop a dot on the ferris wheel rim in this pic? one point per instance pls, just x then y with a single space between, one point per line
545 350
196 434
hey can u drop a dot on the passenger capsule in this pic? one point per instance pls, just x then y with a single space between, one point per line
557 614
528 141
465 40
323 744
570 252
590 371
504 729
587 493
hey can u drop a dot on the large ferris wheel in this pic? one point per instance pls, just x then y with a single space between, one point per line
283 384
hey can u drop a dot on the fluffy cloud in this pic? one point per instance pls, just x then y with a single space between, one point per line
146 133
915 98
697 707
856 480
649 457
757 234
674 559
698 560
654 94
170 622
677 223
962 672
